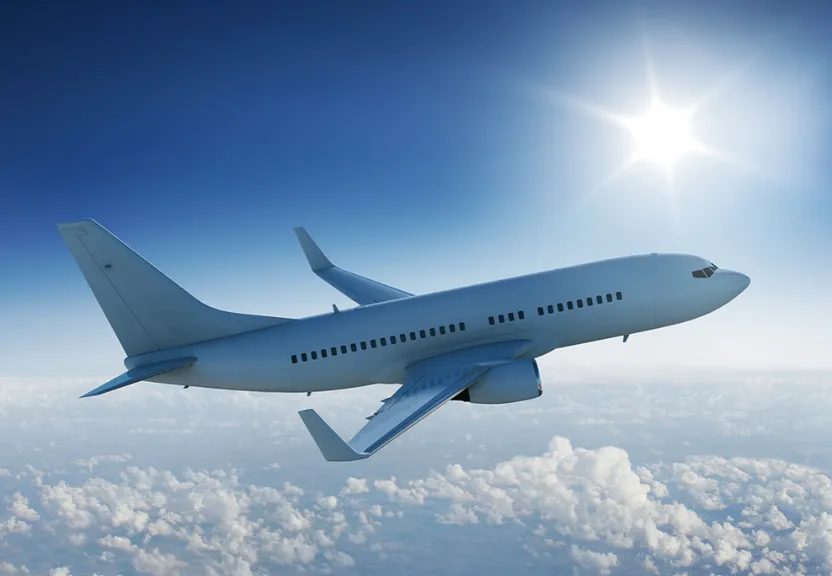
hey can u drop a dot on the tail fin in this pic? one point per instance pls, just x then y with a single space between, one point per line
147 310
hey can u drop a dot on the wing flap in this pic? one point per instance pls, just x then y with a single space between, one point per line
359 289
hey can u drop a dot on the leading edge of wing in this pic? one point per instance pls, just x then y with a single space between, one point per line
366 442
359 289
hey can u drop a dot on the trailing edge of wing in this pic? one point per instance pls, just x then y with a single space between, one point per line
140 373
357 288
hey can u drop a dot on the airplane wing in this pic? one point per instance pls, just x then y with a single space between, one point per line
428 385
357 288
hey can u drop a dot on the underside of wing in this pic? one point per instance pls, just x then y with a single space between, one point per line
357 288
428 385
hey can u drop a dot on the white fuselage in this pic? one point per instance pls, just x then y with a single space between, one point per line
636 293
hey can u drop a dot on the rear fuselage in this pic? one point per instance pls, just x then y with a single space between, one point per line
374 344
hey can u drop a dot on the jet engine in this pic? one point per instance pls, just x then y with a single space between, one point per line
510 382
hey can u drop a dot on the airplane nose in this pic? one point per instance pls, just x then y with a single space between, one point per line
736 280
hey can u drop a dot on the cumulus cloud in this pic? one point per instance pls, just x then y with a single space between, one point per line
355 486
599 562
600 510
222 526
599 496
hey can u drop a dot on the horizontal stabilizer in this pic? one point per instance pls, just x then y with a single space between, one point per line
140 373
329 443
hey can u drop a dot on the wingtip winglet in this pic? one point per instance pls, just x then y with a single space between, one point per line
332 446
316 258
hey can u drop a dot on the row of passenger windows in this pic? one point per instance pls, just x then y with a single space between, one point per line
570 305
705 272
363 345
501 318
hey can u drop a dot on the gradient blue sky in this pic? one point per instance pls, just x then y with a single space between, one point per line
427 145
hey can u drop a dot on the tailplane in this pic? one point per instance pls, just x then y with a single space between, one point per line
147 310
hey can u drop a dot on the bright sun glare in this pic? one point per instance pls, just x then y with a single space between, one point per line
661 135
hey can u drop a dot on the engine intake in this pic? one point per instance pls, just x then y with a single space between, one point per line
510 382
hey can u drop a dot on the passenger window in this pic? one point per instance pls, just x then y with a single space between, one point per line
384 341
442 330
511 316
609 297
580 303
294 358
363 345
413 335
618 296
314 355
303 356
323 353
462 326
589 301
402 338
433 331
452 328
422 334
520 315
343 349
392 339
560 306
353 347
540 310
372 343
599 299
551 309
501 318
569 304
334 351
491 320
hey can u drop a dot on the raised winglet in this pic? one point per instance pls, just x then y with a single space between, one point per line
140 373
317 260
329 443
357 288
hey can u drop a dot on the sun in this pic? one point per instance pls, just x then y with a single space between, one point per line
662 135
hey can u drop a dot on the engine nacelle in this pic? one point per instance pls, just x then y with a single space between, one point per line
510 382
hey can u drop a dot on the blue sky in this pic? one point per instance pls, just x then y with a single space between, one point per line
423 145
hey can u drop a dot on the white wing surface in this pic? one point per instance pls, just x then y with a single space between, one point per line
428 385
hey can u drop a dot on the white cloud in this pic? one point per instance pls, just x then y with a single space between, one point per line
598 496
20 508
96 460
602 563
224 527
355 486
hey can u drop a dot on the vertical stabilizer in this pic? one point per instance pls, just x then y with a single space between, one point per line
147 310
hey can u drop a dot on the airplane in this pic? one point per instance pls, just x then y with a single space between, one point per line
474 344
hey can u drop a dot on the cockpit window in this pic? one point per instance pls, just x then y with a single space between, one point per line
705 272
